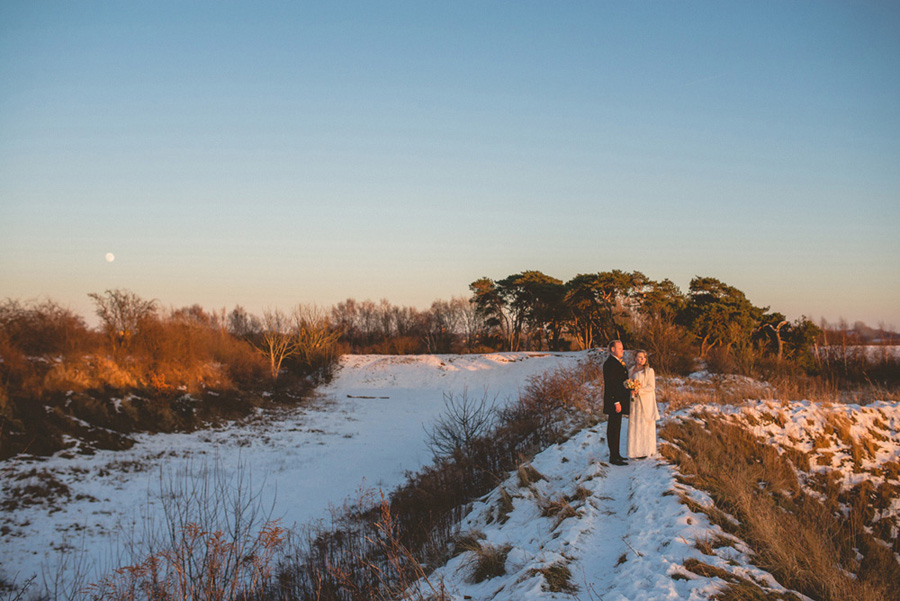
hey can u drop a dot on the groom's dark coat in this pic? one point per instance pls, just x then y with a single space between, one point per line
614 375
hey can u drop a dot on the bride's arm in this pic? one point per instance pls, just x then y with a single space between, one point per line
649 384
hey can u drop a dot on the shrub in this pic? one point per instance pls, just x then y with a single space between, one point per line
215 540
463 421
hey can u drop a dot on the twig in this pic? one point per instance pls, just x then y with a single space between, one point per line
638 553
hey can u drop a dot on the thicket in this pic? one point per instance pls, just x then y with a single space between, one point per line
712 324
145 369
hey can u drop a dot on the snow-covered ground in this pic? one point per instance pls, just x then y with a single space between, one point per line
620 533
367 430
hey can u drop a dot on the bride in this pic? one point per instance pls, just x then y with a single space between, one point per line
642 421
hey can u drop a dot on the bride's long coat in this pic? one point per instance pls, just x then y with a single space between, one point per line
644 413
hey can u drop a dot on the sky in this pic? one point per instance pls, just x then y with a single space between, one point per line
268 154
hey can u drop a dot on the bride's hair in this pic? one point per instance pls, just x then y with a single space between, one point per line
646 365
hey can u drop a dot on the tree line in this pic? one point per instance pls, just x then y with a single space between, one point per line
712 320
178 367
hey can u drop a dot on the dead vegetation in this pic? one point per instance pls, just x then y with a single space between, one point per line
143 370
804 540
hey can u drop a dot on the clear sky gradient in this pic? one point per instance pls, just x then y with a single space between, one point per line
274 153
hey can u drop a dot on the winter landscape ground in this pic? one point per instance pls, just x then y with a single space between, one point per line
571 526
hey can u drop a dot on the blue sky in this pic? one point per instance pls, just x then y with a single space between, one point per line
274 153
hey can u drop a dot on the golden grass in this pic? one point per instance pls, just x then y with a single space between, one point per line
794 536
735 390
528 475
487 561
557 578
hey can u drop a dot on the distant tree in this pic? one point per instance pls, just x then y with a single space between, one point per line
242 324
584 309
40 328
443 323
277 341
594 301
719 315
490 307
533 300
664 300
772 326
470 321
799 341
314 338
122 313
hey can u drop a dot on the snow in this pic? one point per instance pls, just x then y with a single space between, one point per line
629 536
622 532
366 430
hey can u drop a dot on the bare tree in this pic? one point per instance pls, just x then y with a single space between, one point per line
242 324
314 338
122 313
277 342
471 322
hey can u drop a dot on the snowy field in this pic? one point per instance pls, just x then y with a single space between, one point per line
367 430
621 532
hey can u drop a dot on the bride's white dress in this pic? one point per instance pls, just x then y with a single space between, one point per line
644 413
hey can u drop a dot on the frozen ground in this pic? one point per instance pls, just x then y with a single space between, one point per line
620 532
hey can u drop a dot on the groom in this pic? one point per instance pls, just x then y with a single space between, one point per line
616 398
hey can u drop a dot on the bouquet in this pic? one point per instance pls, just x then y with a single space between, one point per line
632 385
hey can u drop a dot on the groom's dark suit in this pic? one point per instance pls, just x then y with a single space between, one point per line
614 375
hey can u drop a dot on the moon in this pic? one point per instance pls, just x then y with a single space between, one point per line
110 257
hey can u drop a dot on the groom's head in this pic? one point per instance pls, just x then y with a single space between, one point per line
616 349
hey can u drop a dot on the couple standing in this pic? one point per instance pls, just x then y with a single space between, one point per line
629 393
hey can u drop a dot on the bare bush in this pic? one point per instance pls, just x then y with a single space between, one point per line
215 540
464 420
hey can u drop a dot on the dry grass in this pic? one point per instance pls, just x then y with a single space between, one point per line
736 588
504 506
487 561
719 390
708 544
560 508
466 542
735 390
528 475
794 536
557 578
